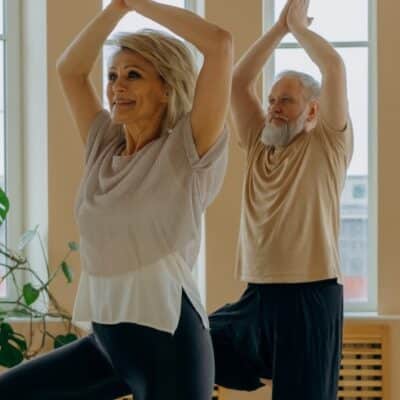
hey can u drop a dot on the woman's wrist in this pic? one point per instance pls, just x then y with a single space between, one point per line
138 5
116 10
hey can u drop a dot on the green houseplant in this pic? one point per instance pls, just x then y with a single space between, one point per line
14 346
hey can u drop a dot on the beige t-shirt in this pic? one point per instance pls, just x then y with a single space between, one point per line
290 207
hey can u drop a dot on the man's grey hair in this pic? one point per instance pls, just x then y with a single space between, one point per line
312 88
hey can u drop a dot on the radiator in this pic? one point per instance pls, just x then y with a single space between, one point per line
364 369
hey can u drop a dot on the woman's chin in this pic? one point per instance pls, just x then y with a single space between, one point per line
118 118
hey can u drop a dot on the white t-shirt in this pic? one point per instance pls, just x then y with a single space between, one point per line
139 218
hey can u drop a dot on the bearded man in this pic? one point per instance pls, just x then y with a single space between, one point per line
287 326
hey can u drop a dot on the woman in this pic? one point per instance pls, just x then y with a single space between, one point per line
153 164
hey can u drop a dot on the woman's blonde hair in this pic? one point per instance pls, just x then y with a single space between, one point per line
173 60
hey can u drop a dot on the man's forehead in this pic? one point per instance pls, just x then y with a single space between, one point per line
286 86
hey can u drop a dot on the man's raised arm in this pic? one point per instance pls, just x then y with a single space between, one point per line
246 105
333 101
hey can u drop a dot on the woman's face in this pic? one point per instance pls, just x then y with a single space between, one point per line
135 90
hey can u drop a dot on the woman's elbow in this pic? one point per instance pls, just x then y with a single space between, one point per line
219 41
224 40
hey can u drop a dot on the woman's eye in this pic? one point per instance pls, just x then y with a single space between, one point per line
112 76
134 75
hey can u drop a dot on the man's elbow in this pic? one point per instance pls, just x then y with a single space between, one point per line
335 65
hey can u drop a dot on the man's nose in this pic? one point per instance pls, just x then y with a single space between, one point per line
275 108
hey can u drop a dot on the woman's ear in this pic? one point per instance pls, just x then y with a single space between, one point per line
166 93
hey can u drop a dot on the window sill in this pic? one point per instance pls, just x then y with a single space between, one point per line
370 316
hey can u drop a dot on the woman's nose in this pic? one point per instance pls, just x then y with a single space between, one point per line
119 85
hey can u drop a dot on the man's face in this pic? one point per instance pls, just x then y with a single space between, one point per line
287 112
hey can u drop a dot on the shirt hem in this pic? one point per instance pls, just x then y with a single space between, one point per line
288 279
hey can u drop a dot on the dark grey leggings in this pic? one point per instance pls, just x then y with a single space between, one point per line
121 359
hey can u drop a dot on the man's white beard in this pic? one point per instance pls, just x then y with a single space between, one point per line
281 135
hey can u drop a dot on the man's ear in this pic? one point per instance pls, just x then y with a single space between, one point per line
313 110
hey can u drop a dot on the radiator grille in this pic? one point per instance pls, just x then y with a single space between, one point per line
364 363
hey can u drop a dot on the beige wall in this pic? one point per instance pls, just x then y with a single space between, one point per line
64 19
389 163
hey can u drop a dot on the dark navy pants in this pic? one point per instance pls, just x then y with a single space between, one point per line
290 333
121 359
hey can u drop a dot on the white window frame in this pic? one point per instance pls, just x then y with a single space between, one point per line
13 142
371 44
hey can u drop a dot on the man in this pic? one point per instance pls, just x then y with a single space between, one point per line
287 326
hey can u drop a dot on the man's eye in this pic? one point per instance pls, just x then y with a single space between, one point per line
134 75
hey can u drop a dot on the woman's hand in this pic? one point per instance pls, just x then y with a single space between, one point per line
134 4
119 5
297 18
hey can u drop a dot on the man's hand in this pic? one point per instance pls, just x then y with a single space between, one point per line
282 20
297 18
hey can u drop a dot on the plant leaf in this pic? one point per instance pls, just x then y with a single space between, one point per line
6 331
10 356
30 294
66 269
4 205
62 340
73 246
21 343
26 238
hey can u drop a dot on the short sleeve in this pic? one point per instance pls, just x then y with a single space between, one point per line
338 141
100 134
253 138
208 170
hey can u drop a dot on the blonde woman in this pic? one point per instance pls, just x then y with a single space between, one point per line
153 164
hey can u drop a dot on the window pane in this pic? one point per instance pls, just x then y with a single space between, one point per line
356 61
335 20
354 201
1 17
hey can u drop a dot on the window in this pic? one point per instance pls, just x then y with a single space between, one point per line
354 40
10 147
132 22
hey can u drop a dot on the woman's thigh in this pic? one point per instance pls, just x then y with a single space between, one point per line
158 365
193 351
